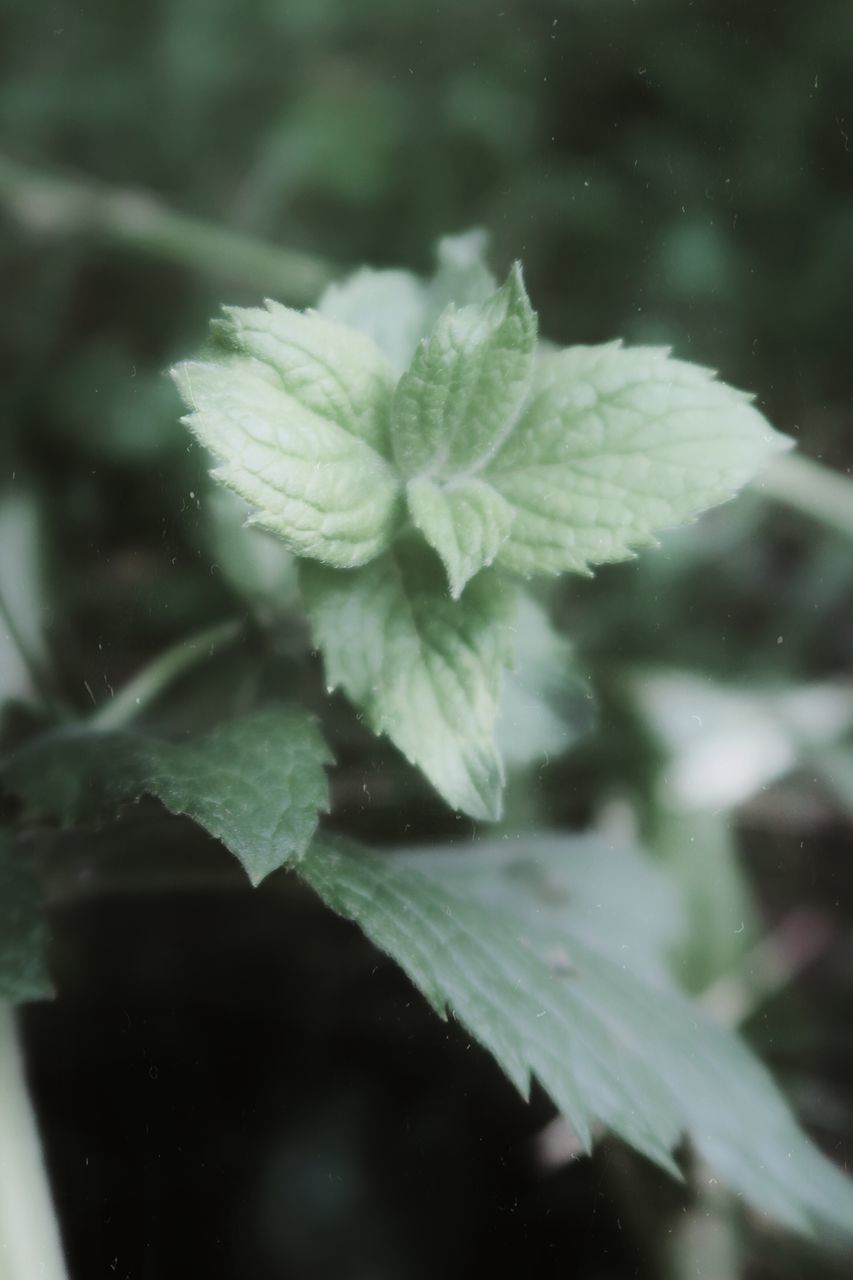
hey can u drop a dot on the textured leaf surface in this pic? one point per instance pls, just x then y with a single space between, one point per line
456 402
396 308
23 933
531 959
257 784
297 413
425 670
465 521
614 443
329 368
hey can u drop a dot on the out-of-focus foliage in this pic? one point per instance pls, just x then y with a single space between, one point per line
669 173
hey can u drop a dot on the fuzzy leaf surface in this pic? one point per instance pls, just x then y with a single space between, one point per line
534 965
425 670
615 443
257 784
295 407
458 398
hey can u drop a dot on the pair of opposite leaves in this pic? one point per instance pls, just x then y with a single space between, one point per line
380 430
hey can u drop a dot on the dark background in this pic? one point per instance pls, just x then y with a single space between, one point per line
231 1083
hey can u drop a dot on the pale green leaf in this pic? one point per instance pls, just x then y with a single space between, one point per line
466 521
396 308
425 670
387 306
615 443
461 274
257 783
327 367
547 705
530 957
458 399
23 932
316 483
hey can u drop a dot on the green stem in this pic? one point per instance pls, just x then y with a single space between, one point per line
147 686
37 674
815 490
30 1244
44 203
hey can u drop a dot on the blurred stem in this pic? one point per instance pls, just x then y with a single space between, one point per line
38 676
811 488
50 205
147 686
30 1245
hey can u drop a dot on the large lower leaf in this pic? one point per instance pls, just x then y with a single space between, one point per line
426 670
23 934
257 784
559 986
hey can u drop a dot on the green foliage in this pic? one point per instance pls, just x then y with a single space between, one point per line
539 465
517 943
256 784
426 670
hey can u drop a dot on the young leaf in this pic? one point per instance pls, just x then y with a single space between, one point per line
389 307
615 443
298 415
257 784
395 308
326 367
425 670
498 941
461 275
23 933
466 521
455 403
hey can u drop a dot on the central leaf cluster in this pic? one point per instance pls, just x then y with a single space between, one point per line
412 446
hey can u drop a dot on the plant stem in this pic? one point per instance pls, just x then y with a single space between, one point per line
147 686
38 677
30 1245
42 202
811 488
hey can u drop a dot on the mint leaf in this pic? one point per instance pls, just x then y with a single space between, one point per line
461 274
396 308
23 932
455 403
466 521
531 960
257 784
324 366
425 670
615 443
389 307
298 415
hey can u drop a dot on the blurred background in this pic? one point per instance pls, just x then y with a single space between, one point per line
231 1083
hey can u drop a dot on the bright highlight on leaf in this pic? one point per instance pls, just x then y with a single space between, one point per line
561 978
401 410
257 784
